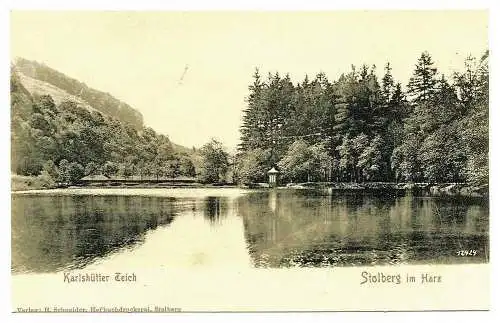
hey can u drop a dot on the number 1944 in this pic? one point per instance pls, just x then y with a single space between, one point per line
465 253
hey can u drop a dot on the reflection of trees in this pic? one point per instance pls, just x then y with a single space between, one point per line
215 208
307 229
443 225
53 232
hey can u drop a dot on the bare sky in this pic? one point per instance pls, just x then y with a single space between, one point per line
140 57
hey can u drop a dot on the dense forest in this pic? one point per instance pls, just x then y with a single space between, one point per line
361 128
357 128
64 142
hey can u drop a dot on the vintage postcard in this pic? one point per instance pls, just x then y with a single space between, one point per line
246 161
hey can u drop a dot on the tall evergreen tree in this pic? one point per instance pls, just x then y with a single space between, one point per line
369 129
422 84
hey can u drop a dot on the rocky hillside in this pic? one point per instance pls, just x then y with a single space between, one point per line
40 79
58 136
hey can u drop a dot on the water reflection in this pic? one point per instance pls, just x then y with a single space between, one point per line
276 228
50 233
215 208
290 228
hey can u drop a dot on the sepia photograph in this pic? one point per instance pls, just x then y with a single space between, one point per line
249 161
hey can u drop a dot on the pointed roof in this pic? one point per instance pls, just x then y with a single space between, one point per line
272 171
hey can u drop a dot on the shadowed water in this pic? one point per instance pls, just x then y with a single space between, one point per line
303 228
280 228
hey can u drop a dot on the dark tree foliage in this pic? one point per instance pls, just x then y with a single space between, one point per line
66 142
358 128
215 162
422 84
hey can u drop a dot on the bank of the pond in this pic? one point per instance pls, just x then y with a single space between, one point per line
27 183
431 188
31 183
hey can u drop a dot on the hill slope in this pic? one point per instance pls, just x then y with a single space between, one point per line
58 136
40 79
36 87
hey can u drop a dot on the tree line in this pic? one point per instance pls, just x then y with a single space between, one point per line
65 142
353 129
362 128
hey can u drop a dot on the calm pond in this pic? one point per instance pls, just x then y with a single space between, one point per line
71 229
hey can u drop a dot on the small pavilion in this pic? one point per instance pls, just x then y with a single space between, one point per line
273 177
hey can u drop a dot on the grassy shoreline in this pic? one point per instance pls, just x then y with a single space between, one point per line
28 183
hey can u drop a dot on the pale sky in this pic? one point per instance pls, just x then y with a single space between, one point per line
139 57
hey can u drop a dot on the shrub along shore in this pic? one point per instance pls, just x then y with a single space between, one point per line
431 188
